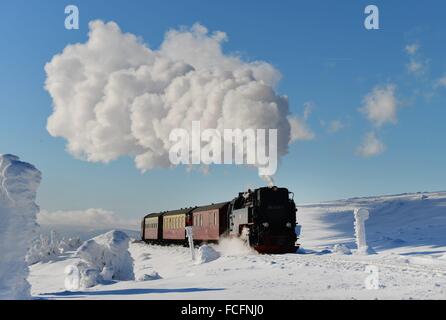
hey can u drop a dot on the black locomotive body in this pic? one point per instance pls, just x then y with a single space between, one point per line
265 218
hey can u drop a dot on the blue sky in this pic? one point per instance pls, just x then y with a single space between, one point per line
325 56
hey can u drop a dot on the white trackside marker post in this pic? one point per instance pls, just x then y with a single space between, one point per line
361 215
190 237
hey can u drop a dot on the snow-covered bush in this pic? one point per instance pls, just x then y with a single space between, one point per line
45 248
18 185
80 275
206 254
341 249
69 244
105 257
148 277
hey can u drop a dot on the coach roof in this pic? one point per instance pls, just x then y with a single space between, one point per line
154 215
177 212
211 206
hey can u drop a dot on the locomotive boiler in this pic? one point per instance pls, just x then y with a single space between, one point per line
265 218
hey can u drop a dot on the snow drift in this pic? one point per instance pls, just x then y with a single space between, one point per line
18 185
103 258
206 254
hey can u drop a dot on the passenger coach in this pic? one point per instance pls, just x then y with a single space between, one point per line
210 222
174 224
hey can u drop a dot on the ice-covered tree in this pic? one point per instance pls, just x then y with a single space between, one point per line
18 185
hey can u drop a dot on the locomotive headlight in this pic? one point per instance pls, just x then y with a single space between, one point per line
265 224
288 224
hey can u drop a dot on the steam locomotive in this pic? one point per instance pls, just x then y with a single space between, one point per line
265 218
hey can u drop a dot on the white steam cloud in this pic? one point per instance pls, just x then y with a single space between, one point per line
114 96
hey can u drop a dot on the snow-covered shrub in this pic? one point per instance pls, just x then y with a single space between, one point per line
108 255
45 248
69 244
206 254
80 276
109 250
341 249
18 185
148 277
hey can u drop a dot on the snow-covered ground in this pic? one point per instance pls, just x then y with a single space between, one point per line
408 233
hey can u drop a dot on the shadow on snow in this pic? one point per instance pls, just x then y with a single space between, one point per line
135 291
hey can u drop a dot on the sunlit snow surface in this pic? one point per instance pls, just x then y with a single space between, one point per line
408 233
